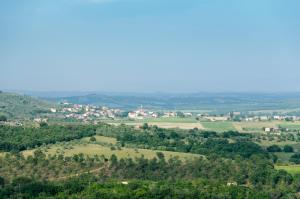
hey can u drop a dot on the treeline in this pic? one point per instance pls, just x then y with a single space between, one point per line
16 138
210 177
89 188
227 144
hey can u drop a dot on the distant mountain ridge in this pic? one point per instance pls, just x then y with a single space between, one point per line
22 106
214 102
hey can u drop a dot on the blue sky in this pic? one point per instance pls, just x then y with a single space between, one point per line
150 45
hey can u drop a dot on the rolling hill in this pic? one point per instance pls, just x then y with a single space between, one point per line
213 102
15 106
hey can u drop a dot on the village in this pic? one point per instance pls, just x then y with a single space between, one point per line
92 112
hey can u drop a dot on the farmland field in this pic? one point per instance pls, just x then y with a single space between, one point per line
171 125
183 123
292 169
218 126
158 120
291 126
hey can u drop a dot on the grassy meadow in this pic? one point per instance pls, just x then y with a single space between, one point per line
105 146
292 169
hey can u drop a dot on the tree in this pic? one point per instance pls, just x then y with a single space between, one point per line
288 149
93 139
295 158
3 118
113 160
43 124
274 148
2 181
180 114
145 126
160 155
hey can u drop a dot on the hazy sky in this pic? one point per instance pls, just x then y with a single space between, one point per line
150 45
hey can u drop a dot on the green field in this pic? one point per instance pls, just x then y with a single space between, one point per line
283 157
172 122
218 126
266 143
291 126
292 169
103 139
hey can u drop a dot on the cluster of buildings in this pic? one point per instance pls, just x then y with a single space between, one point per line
86 112
142 114
91 112
274 117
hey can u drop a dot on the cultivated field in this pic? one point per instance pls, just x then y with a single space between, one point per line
170 125
219 126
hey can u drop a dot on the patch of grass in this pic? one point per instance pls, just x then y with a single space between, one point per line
99 138
218 126
172 122
291 126
2 154
283 157
90 149
266 143
169 125
292 169
95 149
256 126
161 119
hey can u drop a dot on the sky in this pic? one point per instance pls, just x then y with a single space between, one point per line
150 45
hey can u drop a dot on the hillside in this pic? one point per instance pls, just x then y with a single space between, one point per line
214 102
21 106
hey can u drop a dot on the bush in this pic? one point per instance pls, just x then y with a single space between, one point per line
295 158
274 148
3 118
2 181
93 139
43 124
112 148
288 149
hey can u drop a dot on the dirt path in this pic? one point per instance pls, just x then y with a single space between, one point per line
77 174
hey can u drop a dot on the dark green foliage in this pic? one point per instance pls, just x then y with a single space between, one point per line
295 158
2 181
145 126
79 188
233 166
20 138
193 141
154 178
21 106
43 124
274 148
93 139
288 149
160 155
3 118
